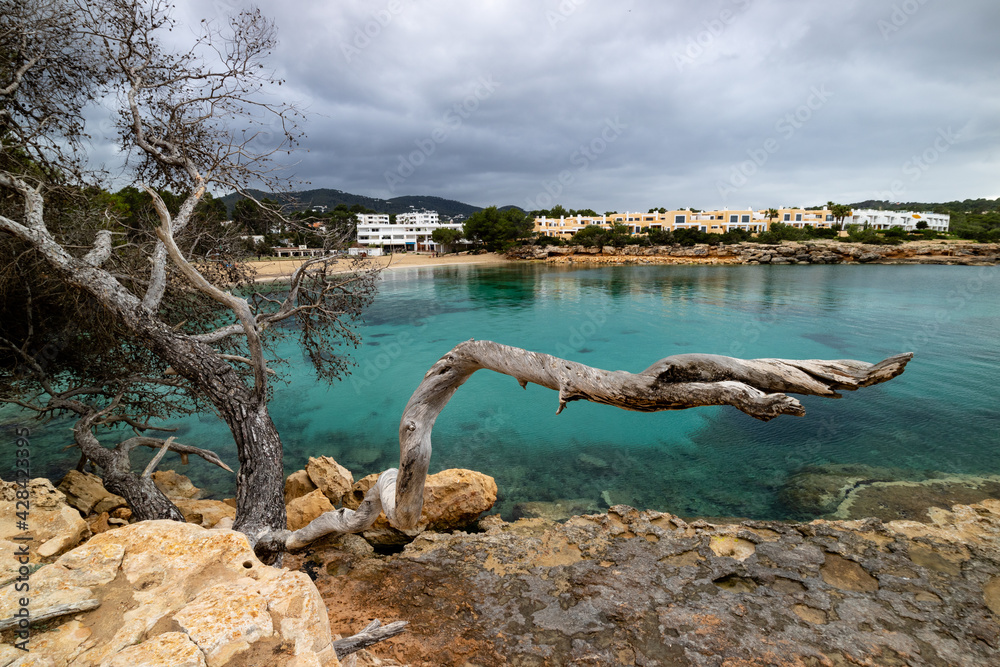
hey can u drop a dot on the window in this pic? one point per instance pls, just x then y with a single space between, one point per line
745 218
788 216
679 219
798 217
734 218
829 218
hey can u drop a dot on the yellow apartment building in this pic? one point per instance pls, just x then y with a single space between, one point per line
713 222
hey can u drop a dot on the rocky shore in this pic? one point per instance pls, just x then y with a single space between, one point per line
918 586
788 252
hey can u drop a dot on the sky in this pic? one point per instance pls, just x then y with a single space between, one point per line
636 104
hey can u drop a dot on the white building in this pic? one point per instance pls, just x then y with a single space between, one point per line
421 218
412 232
939 222
372 218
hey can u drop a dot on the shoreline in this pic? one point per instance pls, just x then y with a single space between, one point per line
271 270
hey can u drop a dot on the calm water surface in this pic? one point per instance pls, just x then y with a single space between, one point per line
943 414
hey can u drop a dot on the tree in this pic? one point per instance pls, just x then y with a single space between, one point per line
756 387
496 230
446 238
187 121
922 224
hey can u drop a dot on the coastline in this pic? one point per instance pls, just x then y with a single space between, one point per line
270 270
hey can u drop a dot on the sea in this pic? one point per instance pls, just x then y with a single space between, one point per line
941 417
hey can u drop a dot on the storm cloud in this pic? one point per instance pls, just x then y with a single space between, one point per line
636 104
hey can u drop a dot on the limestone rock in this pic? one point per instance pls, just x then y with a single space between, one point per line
333 479
85 492
55 526
174 485
154 578
174 649
303 510
205 513
556 510
453 499
297 485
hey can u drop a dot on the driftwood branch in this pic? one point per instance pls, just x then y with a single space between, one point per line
756 387
66 609
373 633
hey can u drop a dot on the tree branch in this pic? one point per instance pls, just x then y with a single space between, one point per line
675 383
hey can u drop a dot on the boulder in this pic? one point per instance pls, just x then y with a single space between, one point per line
333 479
297 485
85 492
170 593
55 526
205 513
174 485
453 499
303 510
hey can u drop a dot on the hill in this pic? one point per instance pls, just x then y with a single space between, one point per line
300 201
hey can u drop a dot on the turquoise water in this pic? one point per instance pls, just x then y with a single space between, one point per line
942 415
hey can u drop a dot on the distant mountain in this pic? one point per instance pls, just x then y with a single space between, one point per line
301 201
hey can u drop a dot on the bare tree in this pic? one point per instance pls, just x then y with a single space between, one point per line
756 387
187 121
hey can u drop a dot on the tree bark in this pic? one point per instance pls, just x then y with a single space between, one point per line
675 383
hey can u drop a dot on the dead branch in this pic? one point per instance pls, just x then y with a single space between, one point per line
756 387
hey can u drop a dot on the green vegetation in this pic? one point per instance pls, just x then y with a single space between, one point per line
497 230
446 238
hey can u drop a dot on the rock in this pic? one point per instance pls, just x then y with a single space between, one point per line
206 513
818 490
592 463
895 500
176 594
297 485
453 499
303 510
174 485
99 524
556 510
333 479
55 526
85 492
645 588
171 648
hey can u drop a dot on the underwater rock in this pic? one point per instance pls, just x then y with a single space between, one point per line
819 490
555 510
591 463
891 501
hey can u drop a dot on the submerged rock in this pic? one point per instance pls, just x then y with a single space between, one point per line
555 510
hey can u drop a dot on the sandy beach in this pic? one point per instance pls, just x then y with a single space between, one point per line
274 269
